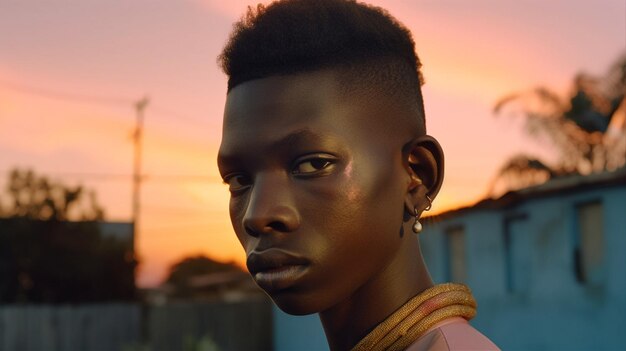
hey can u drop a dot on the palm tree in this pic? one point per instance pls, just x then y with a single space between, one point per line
587 129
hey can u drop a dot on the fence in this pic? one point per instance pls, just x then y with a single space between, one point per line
133 327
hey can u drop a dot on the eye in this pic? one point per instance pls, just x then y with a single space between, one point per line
237 182
312 166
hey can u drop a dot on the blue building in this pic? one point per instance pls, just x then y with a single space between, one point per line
547 265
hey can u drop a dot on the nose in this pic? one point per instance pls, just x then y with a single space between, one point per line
271 208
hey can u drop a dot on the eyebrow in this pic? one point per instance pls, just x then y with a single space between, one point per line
287 142
294 138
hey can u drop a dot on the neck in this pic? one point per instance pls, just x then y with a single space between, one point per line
346 323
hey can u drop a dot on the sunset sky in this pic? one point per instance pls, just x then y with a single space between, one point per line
70 72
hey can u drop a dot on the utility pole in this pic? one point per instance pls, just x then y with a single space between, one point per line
140 107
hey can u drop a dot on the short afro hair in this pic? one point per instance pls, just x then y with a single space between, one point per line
367 44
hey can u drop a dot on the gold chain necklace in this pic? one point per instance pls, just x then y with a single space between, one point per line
416 316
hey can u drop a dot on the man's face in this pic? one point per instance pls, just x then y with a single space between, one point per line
317 188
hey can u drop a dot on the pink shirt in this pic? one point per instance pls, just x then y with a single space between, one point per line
453 334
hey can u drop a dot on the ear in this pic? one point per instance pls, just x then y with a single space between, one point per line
423 161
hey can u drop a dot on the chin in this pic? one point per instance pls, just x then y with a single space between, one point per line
295 304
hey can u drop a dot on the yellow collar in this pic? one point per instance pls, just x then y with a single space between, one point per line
415 317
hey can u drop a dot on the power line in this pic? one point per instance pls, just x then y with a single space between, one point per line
98 100
163 111
57 95
94 176
174 178
189 226
175 212
178 235
185 178
137 177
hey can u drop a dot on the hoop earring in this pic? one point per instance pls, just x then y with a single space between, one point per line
417 226
430 203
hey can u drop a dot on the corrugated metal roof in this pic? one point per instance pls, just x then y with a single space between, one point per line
554 187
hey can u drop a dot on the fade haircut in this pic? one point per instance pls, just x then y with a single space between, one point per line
372 52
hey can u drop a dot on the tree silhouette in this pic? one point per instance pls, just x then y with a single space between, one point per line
46 258
36 197
182 274
587 130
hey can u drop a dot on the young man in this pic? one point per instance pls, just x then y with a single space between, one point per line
329 166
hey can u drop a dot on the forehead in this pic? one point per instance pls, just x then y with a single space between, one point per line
264 111
280 100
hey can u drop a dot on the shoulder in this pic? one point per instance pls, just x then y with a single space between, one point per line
454 334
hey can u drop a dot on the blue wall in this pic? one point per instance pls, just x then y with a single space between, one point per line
302 333
548 308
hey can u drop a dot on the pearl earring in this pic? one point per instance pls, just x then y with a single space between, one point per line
417 226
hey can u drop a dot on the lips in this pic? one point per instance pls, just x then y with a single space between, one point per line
275 269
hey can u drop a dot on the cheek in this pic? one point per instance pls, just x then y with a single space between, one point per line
373 193
361 214
376 220
237 208
377 213
353 192
366 195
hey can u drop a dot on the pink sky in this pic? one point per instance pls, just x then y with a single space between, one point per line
473 53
